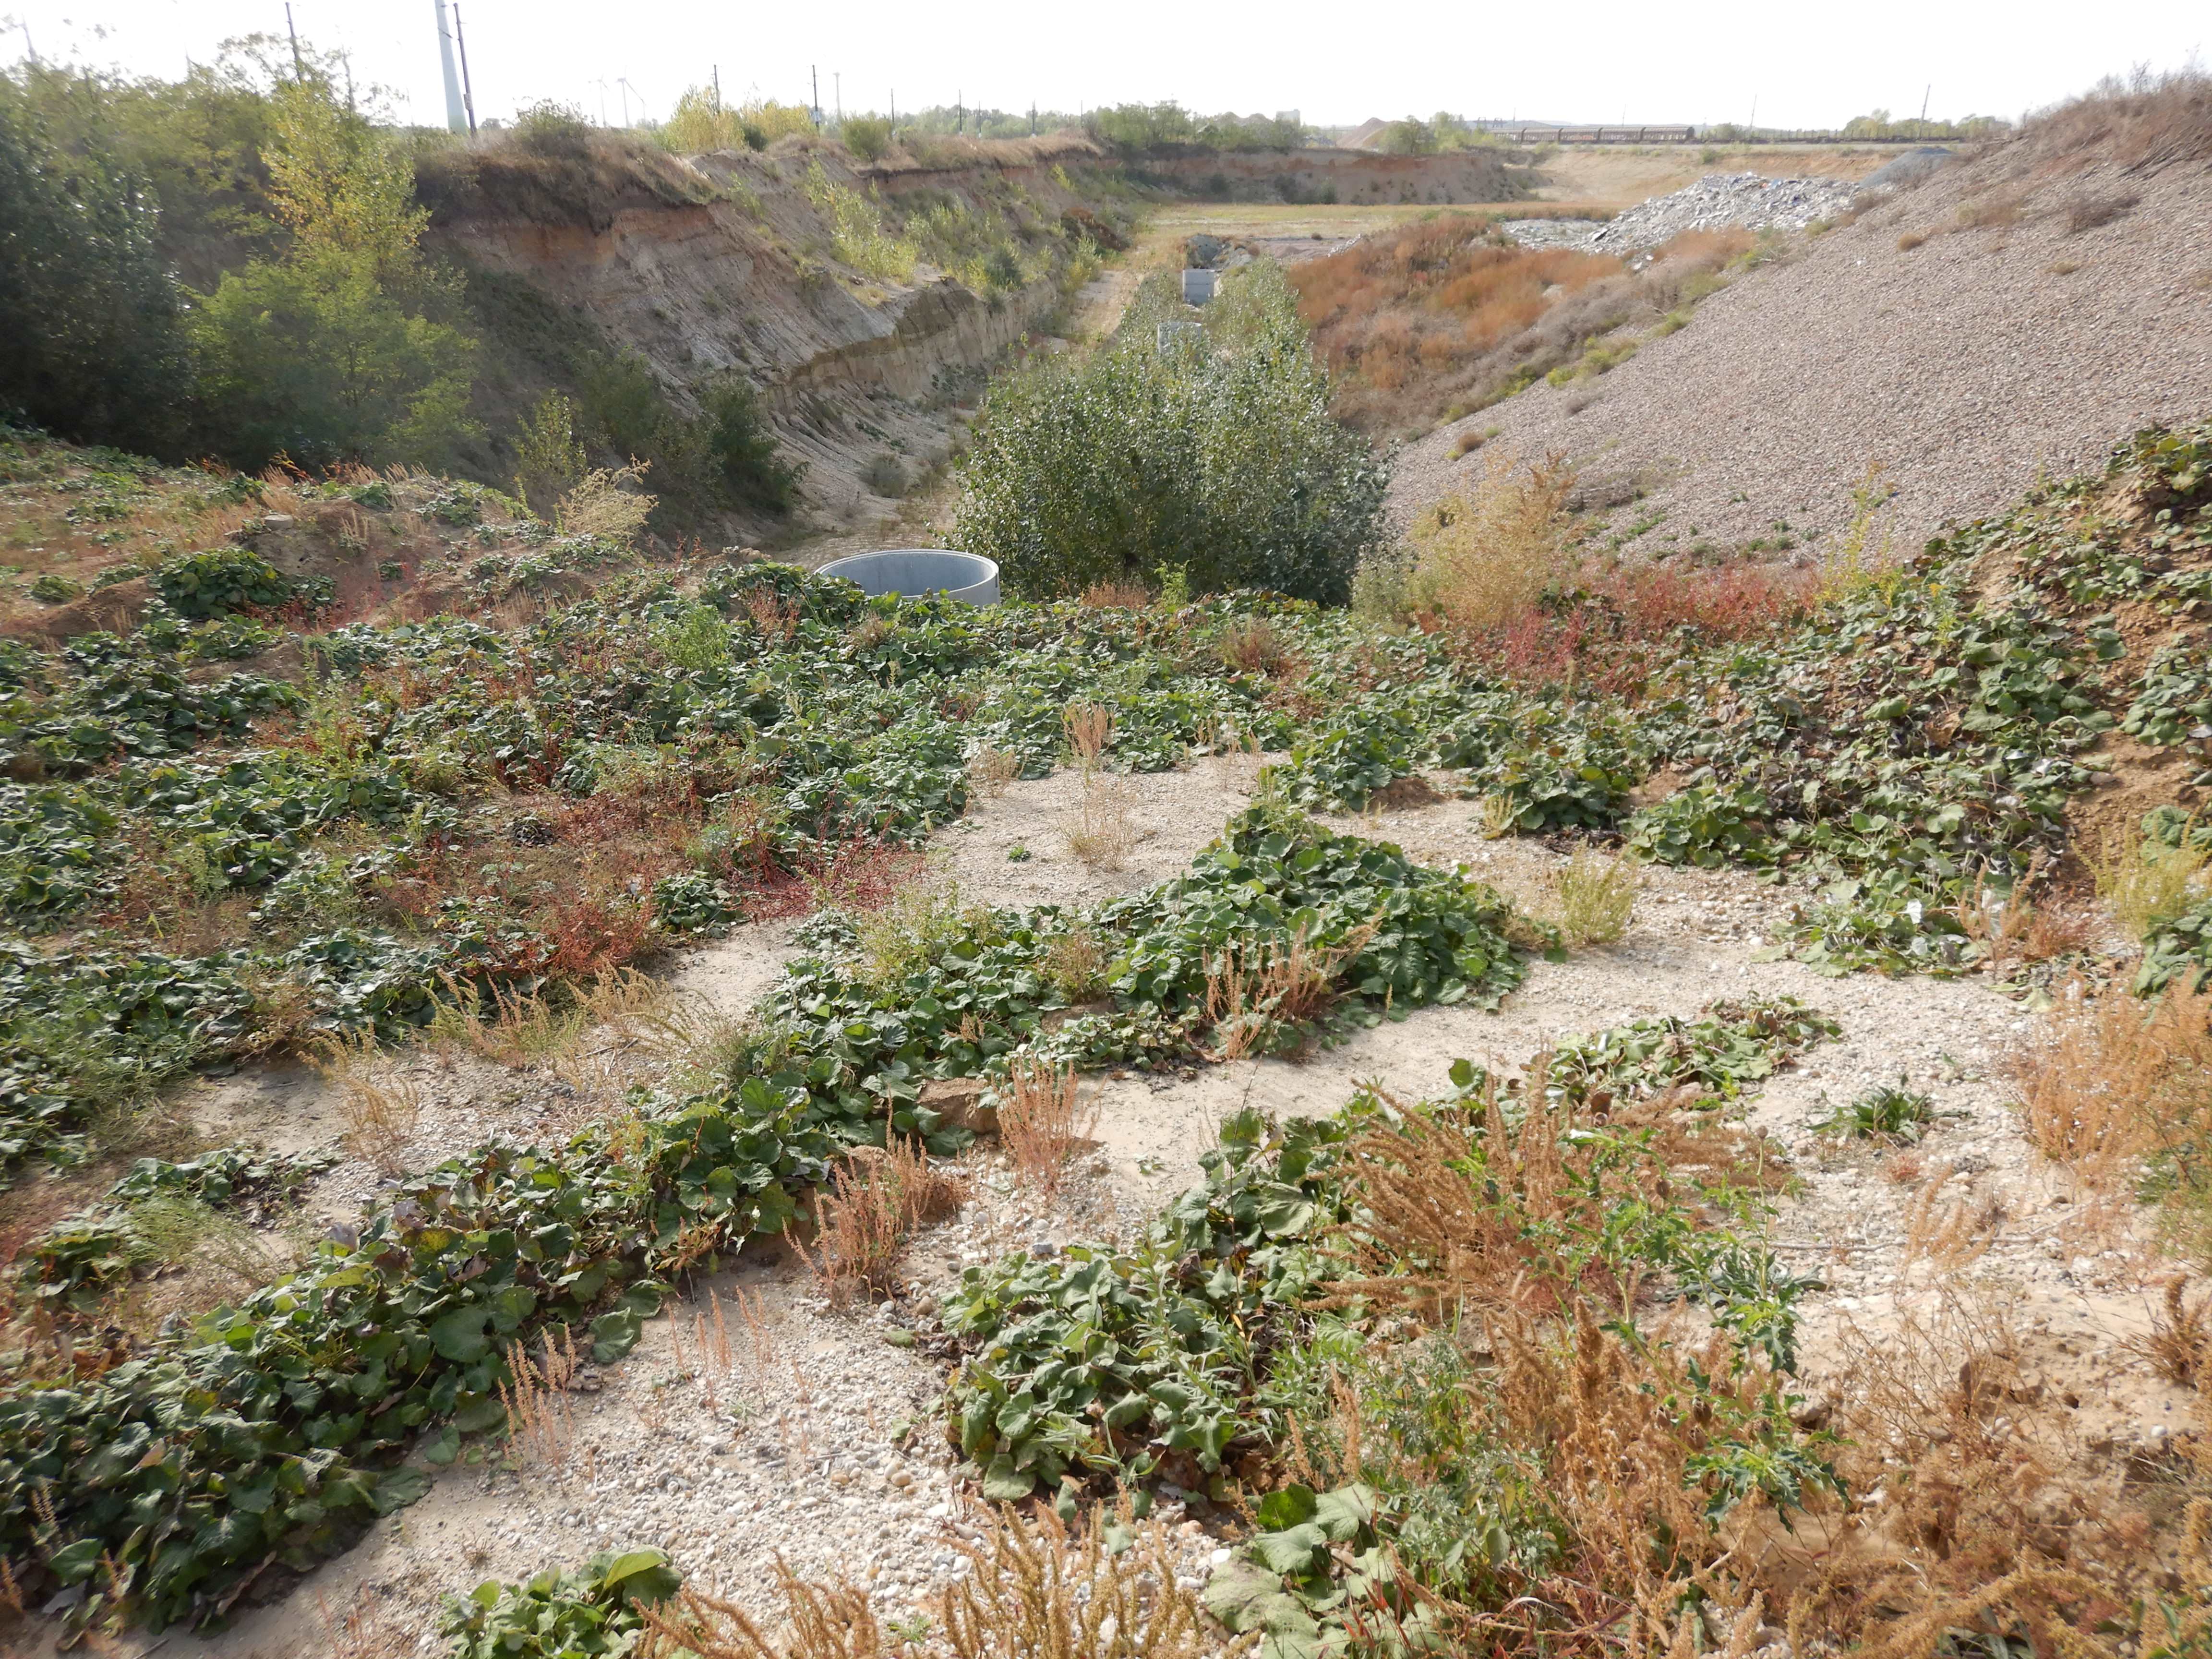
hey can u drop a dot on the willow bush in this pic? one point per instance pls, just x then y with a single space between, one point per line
1207 449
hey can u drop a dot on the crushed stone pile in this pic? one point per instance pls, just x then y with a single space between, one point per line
1748 199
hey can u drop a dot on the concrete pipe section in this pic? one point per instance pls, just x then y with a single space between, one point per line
915 571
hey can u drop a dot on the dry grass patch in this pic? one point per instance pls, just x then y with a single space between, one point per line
991 770
1115 596
379 1108
1910 241
2089 212
1033 1590
1594 897
1102 831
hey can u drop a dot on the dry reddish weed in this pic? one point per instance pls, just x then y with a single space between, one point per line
1253 646
1979 1526
2179 1346
1115 596
1042 1123
1090 727
541 1426
865 1216
2112 1082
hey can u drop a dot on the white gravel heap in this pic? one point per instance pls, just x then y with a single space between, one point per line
1719 198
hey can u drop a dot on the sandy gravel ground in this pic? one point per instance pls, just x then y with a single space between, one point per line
759 1421
1967 367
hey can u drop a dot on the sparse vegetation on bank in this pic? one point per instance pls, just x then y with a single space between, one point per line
1445 316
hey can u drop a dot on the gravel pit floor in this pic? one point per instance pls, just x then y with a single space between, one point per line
759 1421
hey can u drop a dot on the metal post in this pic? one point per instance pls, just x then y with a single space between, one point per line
468 92
457 119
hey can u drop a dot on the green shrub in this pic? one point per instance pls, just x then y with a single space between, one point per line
867 137
1225 462
94 346
219 580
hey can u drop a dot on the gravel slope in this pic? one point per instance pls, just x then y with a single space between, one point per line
1965 365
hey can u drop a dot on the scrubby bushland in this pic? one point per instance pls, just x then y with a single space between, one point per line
1445 315
1207 449
325 336
1134 129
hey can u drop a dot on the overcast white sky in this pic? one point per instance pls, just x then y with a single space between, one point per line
1806 65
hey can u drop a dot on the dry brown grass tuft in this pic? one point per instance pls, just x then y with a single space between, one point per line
1994 211
1596 897
378 1107
1090 728
991 770
1031 1591
1910 241
1102 831
872 1205
2089 212
2179 1346
1483 560
2113 1081
1042 1123
1261 993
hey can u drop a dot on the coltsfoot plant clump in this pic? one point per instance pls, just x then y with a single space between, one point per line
1424 1340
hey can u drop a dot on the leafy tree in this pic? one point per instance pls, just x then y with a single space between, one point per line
92 345
340 350
1211 453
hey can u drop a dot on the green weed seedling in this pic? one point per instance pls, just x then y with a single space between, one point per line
1886 1112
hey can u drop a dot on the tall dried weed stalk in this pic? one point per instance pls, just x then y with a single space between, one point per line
1043 1123
540 1424
1262 992
1102 831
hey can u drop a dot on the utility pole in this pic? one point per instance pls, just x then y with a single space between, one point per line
837 91
718 89
814 77
457 119
1032 117
1923 102
468 92
298 73
959 111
